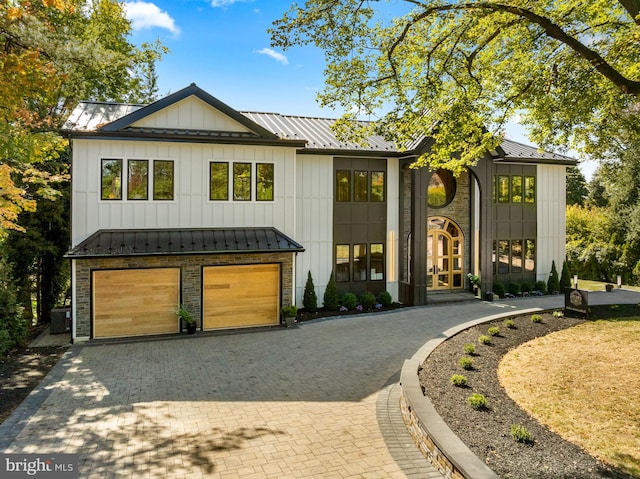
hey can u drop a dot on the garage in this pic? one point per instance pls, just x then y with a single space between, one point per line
135 302
241 296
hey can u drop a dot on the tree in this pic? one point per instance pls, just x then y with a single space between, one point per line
577 190
459 70
310 299
553 284
331 300
565 276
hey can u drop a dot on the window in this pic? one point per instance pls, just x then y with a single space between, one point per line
138 180
359 262
516 256
360 184
264 182
219 179
503 189
529 189
342 263
162 180
441 189
503 257
530 256
377 186
242 181
377 262
111 180
343 185
516 189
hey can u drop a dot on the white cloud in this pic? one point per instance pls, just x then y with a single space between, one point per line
273 54
147 15
225 3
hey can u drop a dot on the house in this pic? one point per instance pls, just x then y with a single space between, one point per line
188 201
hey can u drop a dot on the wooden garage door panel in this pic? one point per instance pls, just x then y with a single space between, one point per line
135 302
241 296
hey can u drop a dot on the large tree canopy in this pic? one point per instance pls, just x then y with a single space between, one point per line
54 53
569 69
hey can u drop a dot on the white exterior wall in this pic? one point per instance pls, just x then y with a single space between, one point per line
393 227
191 207
552 202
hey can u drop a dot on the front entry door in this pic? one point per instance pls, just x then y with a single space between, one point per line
445 255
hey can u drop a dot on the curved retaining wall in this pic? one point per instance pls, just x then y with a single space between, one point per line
435 439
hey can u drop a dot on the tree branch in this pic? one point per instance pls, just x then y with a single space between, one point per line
633 8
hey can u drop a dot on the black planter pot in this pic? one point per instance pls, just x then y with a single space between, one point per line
191 328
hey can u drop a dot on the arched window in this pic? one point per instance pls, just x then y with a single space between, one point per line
441 189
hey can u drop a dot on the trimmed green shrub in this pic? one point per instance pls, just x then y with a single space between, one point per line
469 348
310 299
514 288
541 286
565 276
498 288
536 318
494 331
553 285
349 300
477 401
384 298
526 287
458 380
368 300
520 434
509 324
484 339
466 363
330 300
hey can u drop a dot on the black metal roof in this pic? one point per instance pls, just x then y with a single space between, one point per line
153 242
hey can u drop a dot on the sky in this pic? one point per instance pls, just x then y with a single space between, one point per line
223 46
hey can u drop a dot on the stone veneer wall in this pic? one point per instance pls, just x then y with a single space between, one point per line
191 277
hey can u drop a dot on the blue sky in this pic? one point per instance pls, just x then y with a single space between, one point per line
223 46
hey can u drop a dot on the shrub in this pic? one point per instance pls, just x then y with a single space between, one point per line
558 314
520 433
498 288
484 339
385 298
565 276
508 323
469 348
553 285
310 300
541 286
526 287
13 327
477 401
349 300
458 380
330 299
368 300
494 331
514 288
466 363
536 318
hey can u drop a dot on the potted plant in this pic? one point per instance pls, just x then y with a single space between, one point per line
185 315
289 313
474 280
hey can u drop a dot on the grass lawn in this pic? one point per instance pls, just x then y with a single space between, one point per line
583 383
589 285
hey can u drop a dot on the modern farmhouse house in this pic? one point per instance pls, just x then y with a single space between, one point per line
188 201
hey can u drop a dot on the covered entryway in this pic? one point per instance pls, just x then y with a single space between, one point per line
135 302
445 254
240 296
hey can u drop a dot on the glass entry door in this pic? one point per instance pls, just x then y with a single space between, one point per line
445 255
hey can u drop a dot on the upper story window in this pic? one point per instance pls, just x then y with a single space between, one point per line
529 189
514 189
360 186
221 181
143 176
502 189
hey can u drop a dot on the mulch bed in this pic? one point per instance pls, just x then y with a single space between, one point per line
22 370
304 315
487 433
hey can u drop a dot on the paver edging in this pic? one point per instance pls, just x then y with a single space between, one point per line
433 437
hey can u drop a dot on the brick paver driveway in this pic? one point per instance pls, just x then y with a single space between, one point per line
299 403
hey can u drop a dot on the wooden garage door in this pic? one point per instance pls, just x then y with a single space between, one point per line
241 296
135 302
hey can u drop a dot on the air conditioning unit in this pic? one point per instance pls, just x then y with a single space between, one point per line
60 321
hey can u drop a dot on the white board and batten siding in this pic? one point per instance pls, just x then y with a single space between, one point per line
551 201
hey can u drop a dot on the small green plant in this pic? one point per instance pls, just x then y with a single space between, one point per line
527 287
289 311
384 299
614 307
477 401
541 286
514 288
330 299
558 314
367 300
349 300
466 363
509 324
553 285
494 331
484 339
185 315
310 299
469 348
458 380
536 318
520 434
498 288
